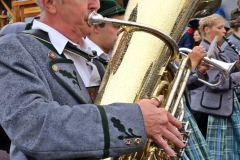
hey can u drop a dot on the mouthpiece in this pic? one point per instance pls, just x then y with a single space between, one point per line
95 18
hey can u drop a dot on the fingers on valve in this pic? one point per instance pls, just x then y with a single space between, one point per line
163 144
174 121
174 131
172 136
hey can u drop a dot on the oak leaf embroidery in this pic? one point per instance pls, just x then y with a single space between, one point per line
117 124
70 76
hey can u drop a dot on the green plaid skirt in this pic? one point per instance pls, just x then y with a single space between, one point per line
222 140
196 148
223 135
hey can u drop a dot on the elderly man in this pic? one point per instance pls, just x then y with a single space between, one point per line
45 107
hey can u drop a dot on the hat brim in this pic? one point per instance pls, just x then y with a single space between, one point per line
115 12
109 8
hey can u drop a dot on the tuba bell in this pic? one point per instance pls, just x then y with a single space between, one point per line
141 66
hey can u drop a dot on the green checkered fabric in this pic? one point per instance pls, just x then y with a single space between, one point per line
223 135
222 141
196 148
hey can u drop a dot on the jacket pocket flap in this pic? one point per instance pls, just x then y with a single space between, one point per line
211 101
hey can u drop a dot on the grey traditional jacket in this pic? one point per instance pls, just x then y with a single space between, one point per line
42 110
223 94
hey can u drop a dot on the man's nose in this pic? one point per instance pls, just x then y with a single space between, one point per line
94 5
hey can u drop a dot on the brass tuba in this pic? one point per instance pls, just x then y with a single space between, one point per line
142 64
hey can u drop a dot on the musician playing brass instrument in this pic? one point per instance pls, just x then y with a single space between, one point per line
45 108
216 109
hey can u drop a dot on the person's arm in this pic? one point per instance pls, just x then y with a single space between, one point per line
44 121
198 67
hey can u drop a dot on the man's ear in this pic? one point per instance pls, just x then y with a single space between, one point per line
50 5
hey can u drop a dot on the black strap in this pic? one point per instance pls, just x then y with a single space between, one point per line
97 61
44 38
100 66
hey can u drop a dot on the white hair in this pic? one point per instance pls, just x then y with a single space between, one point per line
39 3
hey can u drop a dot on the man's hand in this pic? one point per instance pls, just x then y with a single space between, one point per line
197 55
201 70
159 124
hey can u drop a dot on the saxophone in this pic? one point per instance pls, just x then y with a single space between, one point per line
143 63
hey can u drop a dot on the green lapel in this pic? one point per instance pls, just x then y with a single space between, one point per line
68 77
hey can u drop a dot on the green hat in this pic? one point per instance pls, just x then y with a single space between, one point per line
109 8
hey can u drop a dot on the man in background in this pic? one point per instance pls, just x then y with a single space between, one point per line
103 37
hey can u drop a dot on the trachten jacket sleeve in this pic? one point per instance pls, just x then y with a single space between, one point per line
40 110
